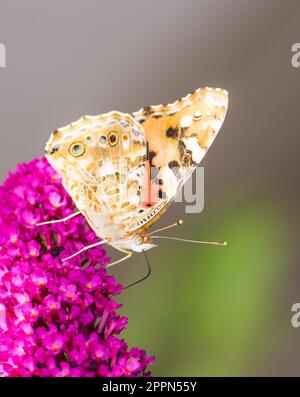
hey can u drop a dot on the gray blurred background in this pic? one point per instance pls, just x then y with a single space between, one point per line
205 310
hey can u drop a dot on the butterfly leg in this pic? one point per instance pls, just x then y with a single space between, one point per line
128 255
60 220
85 249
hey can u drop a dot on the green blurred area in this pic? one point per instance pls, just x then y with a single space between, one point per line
213 310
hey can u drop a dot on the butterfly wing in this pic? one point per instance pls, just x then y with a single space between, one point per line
101 161
120 183
178 136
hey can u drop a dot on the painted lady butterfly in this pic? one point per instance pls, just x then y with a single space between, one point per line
106 163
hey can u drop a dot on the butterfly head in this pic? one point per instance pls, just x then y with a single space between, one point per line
143 243
137 242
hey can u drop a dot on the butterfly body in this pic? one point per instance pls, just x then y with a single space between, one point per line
123 171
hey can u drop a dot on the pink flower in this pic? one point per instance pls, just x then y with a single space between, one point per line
3 324
55 199
54 342
51 302
33 248
29 218
55 319
39 277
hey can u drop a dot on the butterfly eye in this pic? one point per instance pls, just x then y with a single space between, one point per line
89 140
113 138
138 240
102 139
77 149
197 115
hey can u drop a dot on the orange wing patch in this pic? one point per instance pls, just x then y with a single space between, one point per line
178 136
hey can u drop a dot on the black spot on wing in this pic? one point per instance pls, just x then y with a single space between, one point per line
185 155
151 156
161 194
54 149
172 132
158 181
173 164
147 110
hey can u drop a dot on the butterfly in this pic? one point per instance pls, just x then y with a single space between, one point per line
123 170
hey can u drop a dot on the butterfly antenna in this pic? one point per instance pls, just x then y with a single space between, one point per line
219 243
146 276
179 222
